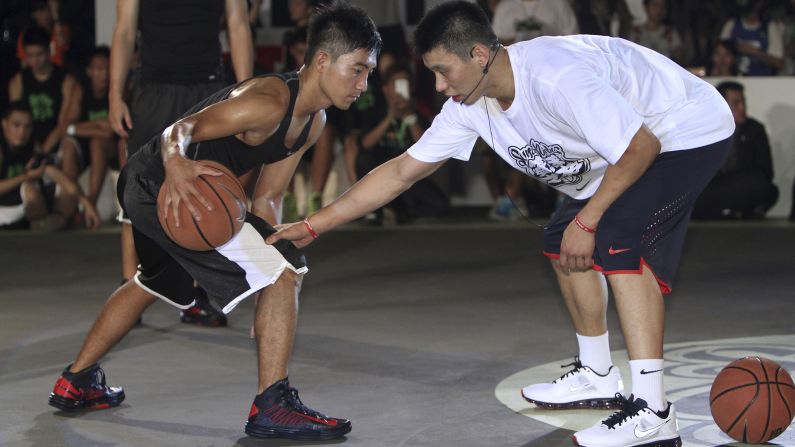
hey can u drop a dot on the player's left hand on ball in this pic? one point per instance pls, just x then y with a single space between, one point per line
576 249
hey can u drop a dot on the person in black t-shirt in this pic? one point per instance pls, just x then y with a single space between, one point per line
33 190
743 188
90 135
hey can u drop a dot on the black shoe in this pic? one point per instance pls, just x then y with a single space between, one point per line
279 413
84 389
203 313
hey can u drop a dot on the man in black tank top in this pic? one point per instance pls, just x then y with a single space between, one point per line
269 120
180 64
46 88
90 135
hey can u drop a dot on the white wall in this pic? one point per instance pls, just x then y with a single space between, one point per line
771 100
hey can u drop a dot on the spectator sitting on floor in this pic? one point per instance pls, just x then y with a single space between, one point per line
47 89
743 188
91 137
32 190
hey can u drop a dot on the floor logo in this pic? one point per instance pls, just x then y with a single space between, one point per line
690 369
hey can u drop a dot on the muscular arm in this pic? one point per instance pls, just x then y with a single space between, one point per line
643 149
66 115
241 45
253 114
121 53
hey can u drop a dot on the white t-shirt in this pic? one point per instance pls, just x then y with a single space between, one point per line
517 20
578 102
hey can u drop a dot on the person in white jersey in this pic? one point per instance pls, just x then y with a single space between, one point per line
629 136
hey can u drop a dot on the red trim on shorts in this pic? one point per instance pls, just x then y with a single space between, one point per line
665 288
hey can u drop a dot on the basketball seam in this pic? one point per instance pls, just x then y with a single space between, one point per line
769 405
781 395
228 214
750 403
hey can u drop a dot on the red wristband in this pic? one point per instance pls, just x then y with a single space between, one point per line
582 226
309 228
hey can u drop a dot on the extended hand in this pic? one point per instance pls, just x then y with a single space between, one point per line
296 232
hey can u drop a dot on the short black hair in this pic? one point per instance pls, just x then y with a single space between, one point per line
340 28
16 106
455 27
36 35
101 51
725 86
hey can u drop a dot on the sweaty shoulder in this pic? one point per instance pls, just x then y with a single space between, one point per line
271 91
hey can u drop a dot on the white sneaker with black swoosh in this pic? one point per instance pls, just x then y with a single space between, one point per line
635 425
580 387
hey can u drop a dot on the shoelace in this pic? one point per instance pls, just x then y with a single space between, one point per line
295 402
99 380
577 366
628 409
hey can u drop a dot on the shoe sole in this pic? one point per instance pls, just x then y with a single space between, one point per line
299 435
201 322
675 442
71 405
594 404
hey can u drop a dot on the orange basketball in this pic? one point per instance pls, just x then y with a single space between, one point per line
753 400
216 227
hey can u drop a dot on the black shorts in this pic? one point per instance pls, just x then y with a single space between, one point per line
155 106
647 225
229 273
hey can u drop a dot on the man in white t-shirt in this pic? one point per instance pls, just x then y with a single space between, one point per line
629 136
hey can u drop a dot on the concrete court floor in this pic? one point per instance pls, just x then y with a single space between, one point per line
406 331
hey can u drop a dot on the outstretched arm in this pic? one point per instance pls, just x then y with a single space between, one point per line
376 189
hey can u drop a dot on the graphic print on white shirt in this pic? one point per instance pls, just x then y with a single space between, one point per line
549 163
578 102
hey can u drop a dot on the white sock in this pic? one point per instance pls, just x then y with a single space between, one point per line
647 382
595 352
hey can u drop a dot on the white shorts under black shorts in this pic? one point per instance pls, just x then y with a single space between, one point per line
229 273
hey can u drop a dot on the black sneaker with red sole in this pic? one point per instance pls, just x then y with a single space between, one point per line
279 413
203 313
84 390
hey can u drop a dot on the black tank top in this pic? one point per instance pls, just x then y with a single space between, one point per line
45 99
179 40
233 153
12 164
